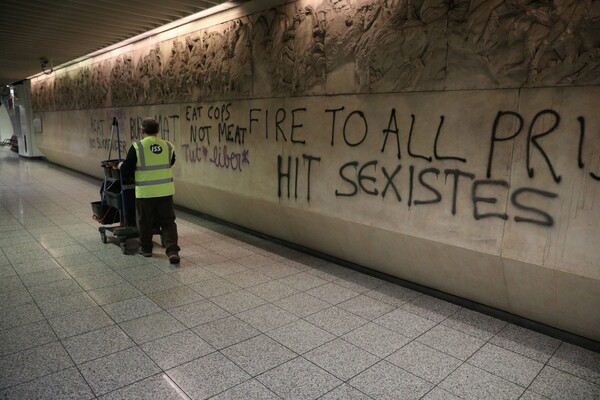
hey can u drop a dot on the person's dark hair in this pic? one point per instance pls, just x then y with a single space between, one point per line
150 126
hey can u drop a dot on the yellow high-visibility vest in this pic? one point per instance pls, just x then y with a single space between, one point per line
153 175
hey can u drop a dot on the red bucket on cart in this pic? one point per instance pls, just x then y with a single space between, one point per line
104 214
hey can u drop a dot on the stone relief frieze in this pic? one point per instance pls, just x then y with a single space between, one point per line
381 46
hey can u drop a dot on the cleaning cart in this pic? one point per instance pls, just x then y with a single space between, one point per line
117 204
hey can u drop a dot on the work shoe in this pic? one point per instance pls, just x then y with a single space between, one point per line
174 259
145 253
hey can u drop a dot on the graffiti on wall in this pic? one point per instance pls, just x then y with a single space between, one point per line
389 46
387 166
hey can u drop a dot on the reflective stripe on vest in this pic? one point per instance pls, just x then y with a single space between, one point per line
154 180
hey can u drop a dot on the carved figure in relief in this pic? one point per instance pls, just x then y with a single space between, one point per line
525 43
387 45
268 38
196 64
240 75
176 73
150 74
100 84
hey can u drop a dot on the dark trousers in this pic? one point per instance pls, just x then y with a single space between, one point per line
157 212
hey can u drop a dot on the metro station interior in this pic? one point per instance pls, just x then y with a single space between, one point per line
375 199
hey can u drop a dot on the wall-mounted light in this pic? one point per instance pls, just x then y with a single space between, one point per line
44 64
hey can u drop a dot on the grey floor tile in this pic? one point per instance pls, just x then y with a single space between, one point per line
100 280
366 307
247 278
28 257
207 376
201 312
38 265
151 327
66 304
68 250
25 336
159 387
558 385
431 308
449 341
119 262
234 253
267 317
139 273
238 301
577 361
392 294
345 392
11 282
277 270
336 321
6 269
332 293
376 339
341 359
96 344
504 363
225 268
213 287
80 322
424 362
156 284
207 258
301 336
386 381
33 363
225 332
299 379
440 394
405 323
52 290
179 348
76 260
67 384
249 390
117 370
359 282
303 281
302 304
175 297
254 261
475 324
46 276
20 315
15 298
529 395
114 294
258 354
130 309
272 290
471 383
526 342
193 275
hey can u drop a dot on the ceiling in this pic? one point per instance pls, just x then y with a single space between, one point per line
61 31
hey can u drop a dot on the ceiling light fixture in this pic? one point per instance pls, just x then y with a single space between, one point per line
44 64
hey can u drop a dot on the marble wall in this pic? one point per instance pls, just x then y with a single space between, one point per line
452 144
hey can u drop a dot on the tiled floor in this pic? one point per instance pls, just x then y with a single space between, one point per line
241 318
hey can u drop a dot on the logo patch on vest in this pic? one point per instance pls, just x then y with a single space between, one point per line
156 148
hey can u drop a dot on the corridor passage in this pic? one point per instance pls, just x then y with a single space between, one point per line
241 318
